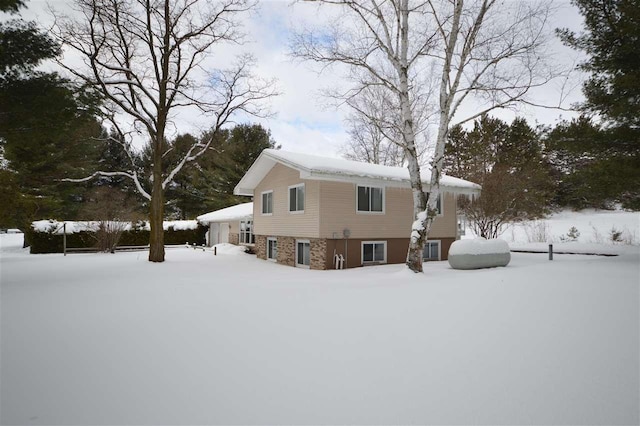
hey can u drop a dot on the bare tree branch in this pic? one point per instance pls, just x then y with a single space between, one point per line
146 59
482 50
132 175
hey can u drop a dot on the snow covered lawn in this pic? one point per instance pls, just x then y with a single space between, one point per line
203 339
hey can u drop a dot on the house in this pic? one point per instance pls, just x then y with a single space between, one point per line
310 211
230 225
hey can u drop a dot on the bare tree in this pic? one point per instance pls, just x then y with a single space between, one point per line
147 60
111 212
496 207
367 141
487 50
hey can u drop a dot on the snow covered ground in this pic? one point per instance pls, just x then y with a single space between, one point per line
593 232
204 339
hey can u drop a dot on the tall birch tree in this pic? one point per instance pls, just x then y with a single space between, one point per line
432 58
147 58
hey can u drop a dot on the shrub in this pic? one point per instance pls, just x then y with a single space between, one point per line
571 236
537 231
615 235
51 242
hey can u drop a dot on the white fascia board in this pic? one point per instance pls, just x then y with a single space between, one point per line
254 175
242 191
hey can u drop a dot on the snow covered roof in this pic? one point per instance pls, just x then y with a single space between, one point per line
237 212
315 167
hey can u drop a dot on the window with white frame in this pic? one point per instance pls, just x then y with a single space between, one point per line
272 248
431 251
246 232
374 252
267 202
438 203
370 199
303 253
296 198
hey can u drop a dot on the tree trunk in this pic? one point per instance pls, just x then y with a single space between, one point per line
424 219
156 237
156 212
416 242
418 232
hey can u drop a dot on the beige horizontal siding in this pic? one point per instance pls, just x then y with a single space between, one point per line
338 212
282 222
234 227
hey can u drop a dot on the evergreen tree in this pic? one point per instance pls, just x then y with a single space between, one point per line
612 41
209 185
607 162
594 166
508 161
47 127
521 155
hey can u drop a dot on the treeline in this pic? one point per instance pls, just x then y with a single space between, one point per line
51 130
31 179
528 171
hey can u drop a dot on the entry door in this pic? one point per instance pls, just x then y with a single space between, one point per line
303 253
224 233
214 234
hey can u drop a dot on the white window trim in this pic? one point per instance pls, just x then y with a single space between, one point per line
262 202
289 198
439 250
384 199
240 232
300 265
374 262
276 241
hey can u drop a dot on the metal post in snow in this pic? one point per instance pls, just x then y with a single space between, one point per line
550 251
64 238
215 250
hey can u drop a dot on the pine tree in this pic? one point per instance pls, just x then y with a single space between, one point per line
508 161
593 165
47 126
209 185
612 42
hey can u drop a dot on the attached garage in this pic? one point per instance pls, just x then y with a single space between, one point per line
229 225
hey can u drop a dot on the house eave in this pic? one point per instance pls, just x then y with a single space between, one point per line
265 162
243 191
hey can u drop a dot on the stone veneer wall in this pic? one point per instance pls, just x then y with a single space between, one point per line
287 251
261 247
318 253
234 238
321 259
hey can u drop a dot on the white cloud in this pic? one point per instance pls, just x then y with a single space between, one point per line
300 122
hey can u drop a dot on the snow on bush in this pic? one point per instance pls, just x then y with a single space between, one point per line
55 227
177 225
